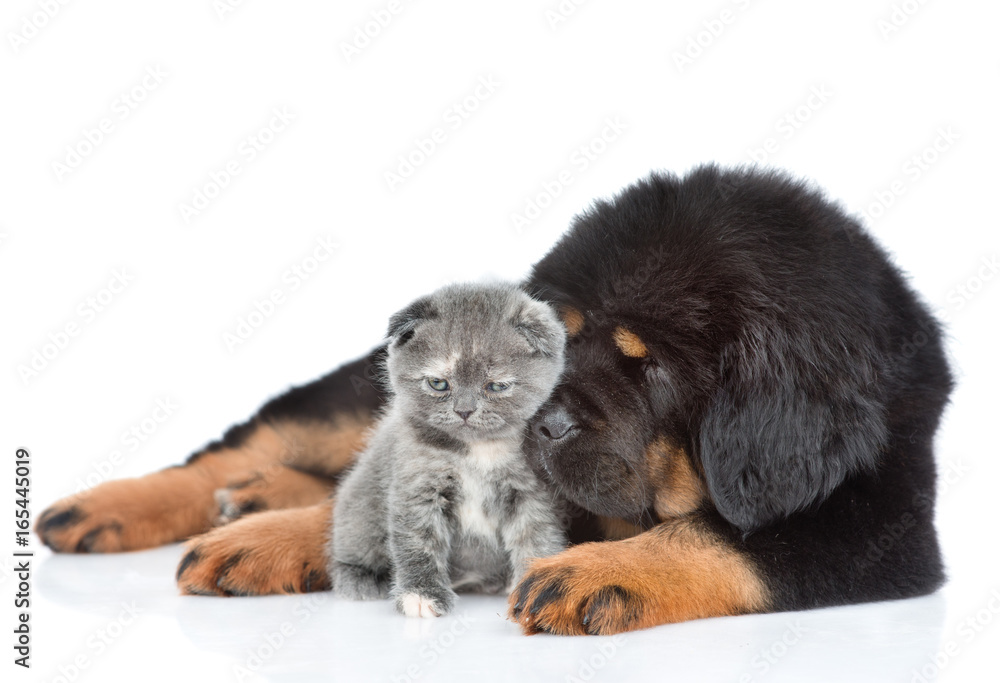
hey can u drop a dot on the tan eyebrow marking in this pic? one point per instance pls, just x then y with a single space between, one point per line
572 319
629 343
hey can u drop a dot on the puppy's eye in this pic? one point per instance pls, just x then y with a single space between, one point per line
437 384
497 387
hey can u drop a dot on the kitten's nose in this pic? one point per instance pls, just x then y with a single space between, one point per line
464 414
553 424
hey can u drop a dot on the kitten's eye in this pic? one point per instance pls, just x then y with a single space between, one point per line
496 387
437 384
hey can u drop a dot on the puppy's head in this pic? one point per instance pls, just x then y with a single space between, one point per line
606 437
693 370
641 430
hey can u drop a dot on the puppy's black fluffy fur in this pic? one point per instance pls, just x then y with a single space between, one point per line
784 352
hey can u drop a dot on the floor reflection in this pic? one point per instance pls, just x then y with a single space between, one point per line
288 637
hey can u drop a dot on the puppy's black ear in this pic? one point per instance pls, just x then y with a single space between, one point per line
403 324
785 427
541 327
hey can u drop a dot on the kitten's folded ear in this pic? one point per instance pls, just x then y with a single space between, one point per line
403 324
540 326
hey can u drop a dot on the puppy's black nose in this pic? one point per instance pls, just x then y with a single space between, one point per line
464 414
553 424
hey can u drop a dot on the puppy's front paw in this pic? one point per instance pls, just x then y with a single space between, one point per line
414 604
276 552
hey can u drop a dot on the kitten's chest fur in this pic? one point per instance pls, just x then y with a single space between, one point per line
483 476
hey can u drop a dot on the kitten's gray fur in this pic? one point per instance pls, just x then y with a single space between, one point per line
437 501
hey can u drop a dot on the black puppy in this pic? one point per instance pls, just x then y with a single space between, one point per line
748 366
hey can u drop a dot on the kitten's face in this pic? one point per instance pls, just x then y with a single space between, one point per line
477 361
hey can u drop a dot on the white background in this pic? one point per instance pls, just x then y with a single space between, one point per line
889 93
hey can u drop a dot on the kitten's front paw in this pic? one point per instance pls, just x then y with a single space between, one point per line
417 605
359 583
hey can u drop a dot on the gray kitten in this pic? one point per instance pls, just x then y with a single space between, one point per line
442 498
